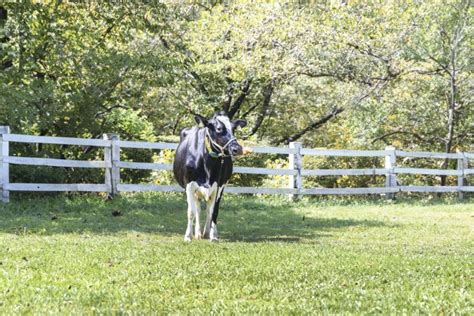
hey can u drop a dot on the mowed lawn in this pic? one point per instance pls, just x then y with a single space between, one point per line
65 255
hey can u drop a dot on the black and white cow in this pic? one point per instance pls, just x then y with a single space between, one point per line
203 165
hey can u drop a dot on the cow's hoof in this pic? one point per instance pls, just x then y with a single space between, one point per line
198 236
187 239
214 239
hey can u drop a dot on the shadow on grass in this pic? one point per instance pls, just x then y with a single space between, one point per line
253 221
245 220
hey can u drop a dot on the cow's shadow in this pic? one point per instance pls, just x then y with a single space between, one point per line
240 220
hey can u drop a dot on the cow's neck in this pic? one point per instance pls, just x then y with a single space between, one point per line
214 166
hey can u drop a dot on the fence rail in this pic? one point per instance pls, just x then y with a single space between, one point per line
112 164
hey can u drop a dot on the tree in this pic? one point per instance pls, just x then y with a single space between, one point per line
443 48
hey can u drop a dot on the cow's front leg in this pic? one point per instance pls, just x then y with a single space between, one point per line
193 204
211 201
207 227
213 234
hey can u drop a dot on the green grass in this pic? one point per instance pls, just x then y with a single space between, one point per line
65 255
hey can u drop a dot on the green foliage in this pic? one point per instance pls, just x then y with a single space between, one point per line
315 162
276 181
338 75
161 176
69 255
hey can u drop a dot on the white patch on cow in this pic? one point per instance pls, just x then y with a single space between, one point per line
193 204
194 210
225 120
195 194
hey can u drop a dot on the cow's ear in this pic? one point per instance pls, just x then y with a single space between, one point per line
239 122
201 120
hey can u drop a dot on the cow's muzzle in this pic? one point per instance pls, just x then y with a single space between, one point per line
235 149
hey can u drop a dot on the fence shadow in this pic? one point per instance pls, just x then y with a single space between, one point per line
239 220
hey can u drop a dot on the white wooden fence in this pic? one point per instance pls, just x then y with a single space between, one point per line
112 165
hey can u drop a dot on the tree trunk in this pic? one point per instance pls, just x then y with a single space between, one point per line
451 108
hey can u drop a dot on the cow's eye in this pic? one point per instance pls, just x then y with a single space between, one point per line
219 130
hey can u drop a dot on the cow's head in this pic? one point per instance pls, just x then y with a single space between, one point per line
221 132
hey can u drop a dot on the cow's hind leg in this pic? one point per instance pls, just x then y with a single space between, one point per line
193 205
197 225
207 227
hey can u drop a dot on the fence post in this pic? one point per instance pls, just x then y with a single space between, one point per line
295 163
115 162
4 166
390 176
461 166
108 170
112 157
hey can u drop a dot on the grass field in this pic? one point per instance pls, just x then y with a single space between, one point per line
64 255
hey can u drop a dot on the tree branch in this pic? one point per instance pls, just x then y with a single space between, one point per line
253 107
240 99
398 131
228 94
287 139
267 95
415 135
